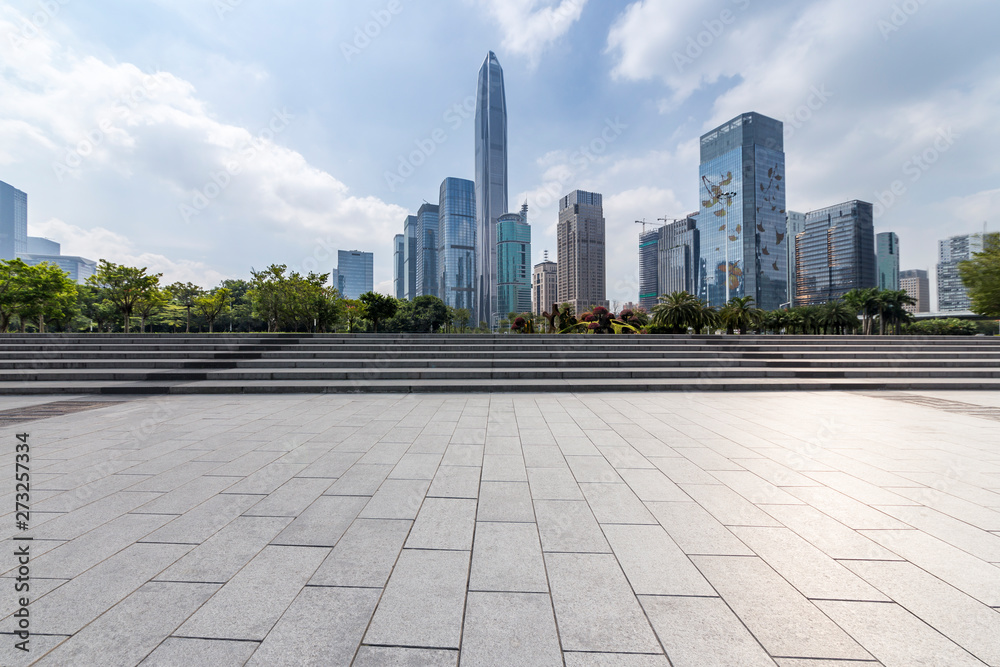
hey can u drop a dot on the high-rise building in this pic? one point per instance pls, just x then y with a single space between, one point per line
544 286
952 294
835 254
514 262
491 185
916 284
581 251
887 258
427 250
355 272
457 243
796 224
398 266
741 224
411 256
42 246
13 222
649 257
678 257
337 283
78 269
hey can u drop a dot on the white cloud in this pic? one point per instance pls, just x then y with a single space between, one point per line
529 28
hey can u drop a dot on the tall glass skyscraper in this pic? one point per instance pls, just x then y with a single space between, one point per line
411 252
13 222
835 254
427 250
952 293
514 262
741 224
491 185
355 272
398 267
456 263
887 254
649 254
796 223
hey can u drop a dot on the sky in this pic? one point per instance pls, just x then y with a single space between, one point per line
206 138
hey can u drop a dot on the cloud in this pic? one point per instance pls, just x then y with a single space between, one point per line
528 29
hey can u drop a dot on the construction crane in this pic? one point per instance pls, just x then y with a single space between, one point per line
644 223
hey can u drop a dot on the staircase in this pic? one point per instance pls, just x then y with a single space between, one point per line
275 363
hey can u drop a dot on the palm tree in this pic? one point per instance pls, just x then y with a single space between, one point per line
740 313
895 307
838 317
678 311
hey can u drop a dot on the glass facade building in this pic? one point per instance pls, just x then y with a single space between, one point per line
678 257
916 284
514 262
952 295
887 258
42 246
427 250
398 267
78 268
582 251
13 222
835 254
411 256
796 225
491 185
741 224
649 255
456 263
355 273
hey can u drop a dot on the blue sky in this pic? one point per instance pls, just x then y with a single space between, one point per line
205 137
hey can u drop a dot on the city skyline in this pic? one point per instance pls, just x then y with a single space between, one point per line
607 97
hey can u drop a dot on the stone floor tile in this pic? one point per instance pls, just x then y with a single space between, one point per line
653 563
781 619
330 466
507 558
682 471
444 523
578 659
360 480
205 520
828 535
896 637
423 602
322 523
117 639
322 628
416 466
553 484
396 499
380 656
727 506
592 469
859 489
365 555
10 656
616 503
543 456
978 542
505 501
223 555
455 482
775 473
812 572
510 629
569 526
625 458
177 651
74 524
696 531
707 459
754 488
291 498
702 632
248 606
795 662
651 485
595 607
504 468
846 510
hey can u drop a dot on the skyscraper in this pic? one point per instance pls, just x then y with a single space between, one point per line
649 257
678 257
411 256
457 243
544 286
581 251
952 295
355 271
915 283
514 262
491 184
398 267
13 222
427 250
887 257
796 223
835 254
742 218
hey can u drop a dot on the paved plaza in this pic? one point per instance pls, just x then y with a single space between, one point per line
809 529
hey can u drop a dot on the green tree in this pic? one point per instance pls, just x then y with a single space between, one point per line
379 307
677 312
184 294
838 317
354 313
152 302
981 276
15 288
213 305
740 313
124 286
50 296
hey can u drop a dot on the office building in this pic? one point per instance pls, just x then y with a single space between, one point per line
13 222
581 251
796 224
77 268
887 259
649 257
677 259
952 295
835 254
916 284
514 262
741 224
355 273
427 250
457 243
544 286
491 185
398 267
411 251
42 246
